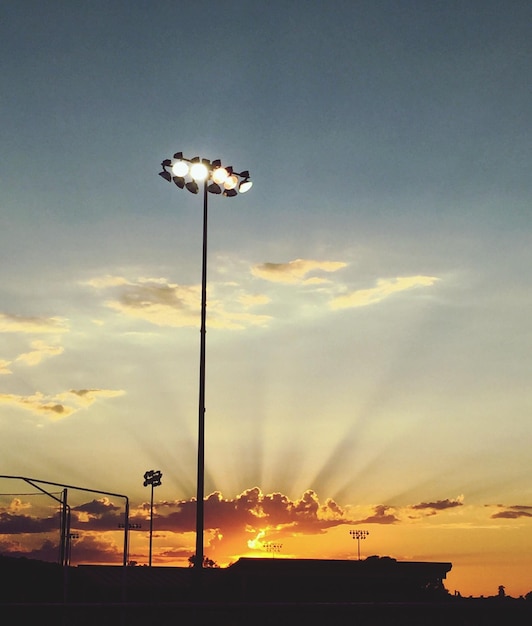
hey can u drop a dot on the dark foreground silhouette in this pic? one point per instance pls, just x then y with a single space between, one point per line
277 592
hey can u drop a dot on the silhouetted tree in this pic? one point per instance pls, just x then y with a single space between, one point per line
206 562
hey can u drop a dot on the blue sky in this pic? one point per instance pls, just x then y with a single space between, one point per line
368 319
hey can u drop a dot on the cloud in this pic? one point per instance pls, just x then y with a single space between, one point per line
41 350
61 405
159 302
101 514
383 515
513 512
385 288
31 325
235 521
5 367
295 272
438 505
15 523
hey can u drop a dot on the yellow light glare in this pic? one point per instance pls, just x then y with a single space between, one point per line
219 175
231 182
199 171
180 168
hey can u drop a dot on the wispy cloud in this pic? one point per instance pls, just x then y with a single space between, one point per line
435 506
61 405
513 512
162 303
384 288
5 367
296 272
41 350
32 325
382 515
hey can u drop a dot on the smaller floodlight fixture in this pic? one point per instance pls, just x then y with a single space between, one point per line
219 179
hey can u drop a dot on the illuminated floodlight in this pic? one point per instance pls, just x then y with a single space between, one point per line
220 175
180 168
199 171
245 185
231 182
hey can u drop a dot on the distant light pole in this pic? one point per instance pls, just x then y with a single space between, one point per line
153 478
69 550
127 527
358 535
273 547
220 180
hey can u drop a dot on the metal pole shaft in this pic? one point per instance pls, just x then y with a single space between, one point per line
198 563
126 534
64 530
151 523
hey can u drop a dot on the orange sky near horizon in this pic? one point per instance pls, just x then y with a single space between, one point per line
487 546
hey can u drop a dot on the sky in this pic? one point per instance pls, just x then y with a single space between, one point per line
368 315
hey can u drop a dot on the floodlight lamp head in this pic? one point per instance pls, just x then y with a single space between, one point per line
178 155
199 171
214 188
180 168
231 181
166 175
192 186
230 193
245 185
220 175
179 181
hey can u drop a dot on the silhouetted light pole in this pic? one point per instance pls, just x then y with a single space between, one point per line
69 551
219 180
358 535
273 547
127 527
153 478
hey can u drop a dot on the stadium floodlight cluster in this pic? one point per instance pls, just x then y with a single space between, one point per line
220 180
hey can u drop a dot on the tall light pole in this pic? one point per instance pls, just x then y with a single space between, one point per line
220 180
153 478
358 535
